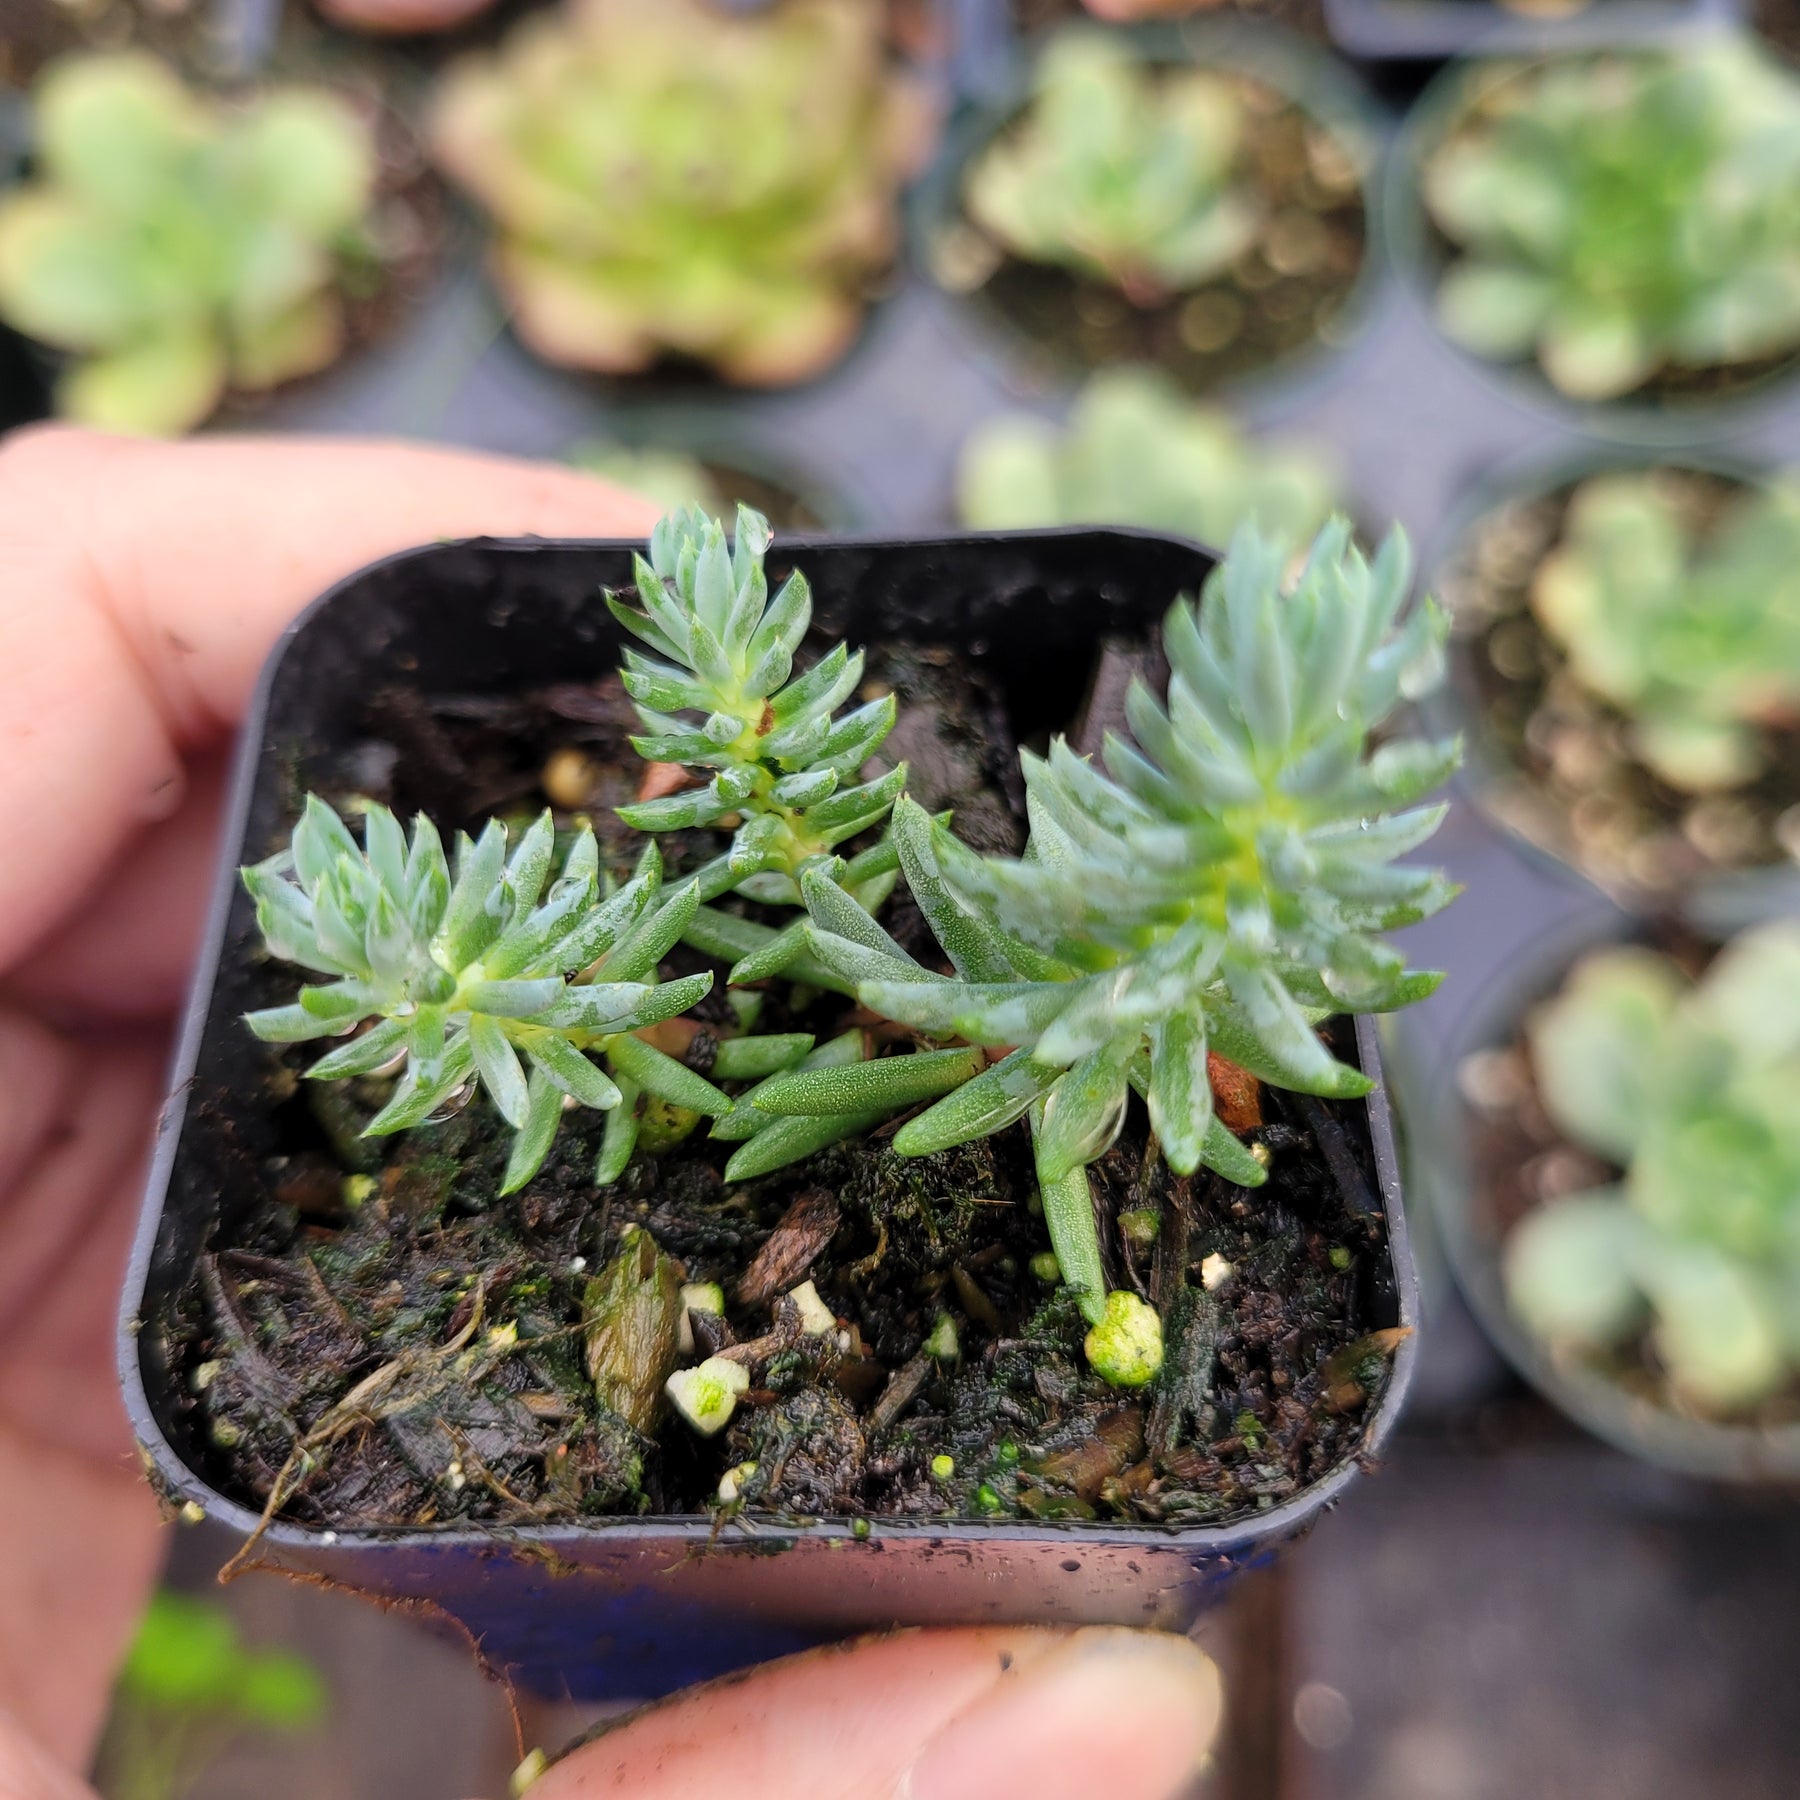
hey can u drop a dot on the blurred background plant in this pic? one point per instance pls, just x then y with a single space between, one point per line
1623 216
1120 168
667 180
1692 1090
176 247
189 1688
1135 451
1696 638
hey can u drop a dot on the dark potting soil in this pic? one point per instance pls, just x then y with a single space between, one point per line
1521 1161
1291 289
374 1340
1571 780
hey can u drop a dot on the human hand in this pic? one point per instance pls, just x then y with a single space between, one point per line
140 588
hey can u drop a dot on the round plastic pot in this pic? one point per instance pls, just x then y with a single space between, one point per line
1431 31
1440 1124
1315 81
640 1606
1717 902
1416 254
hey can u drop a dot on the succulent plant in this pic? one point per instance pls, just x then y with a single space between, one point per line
1122 169
669 180
1696 639
1693 1090
1138 452
1619 214
719 694
1221 885
176 246
502 975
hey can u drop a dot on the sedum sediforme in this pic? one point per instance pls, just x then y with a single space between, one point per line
718 695
514 973
1220 882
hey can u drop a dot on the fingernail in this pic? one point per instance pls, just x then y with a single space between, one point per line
1108 1711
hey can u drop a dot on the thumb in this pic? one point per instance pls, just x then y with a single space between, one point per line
929 1715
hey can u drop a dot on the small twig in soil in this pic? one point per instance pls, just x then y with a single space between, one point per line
796 1243
1328 1134
902 1388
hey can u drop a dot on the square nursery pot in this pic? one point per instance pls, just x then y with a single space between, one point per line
640 1606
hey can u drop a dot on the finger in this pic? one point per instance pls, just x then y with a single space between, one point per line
27 1772
923 1715
67 1222
141 586
80 1548
127 951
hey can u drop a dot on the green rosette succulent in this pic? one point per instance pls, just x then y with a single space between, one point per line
1136 451
175 246
514 974
719 695
1623 214
1693 1090
1696 639
670 180
1122 169
1222 883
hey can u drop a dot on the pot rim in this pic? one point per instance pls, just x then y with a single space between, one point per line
1431 30
175 1478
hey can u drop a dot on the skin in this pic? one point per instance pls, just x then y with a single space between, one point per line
140 589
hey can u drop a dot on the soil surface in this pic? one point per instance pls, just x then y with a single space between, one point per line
1522 1162
405 1350
1571 781
1291 289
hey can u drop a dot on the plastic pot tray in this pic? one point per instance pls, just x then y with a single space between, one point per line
640 1606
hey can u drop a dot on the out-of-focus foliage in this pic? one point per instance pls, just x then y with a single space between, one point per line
176 246
1137 452
666 178
188 1686
1123 169
672 478
1622 214
1696 639
1694 1090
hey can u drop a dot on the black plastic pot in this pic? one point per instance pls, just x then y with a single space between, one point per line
1441 1121
639 1606
1431 31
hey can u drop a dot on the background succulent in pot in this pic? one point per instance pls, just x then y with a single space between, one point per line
1191 202
1623 218
1135 451
1692 1090
1696 641
667 180
1624 636
1120 169
176 246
